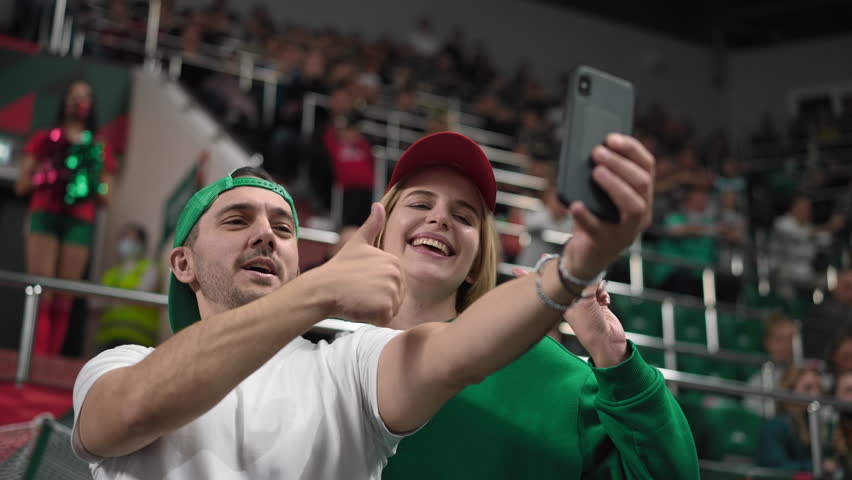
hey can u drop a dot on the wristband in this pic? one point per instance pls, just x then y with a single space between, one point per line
540 291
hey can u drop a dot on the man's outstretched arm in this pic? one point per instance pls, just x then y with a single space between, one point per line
128 408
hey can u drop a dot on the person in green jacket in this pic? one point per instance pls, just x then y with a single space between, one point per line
548 414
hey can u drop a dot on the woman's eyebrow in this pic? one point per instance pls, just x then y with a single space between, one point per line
421 192
462 203
468 206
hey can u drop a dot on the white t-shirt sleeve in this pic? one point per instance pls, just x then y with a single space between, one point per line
368 343
123 356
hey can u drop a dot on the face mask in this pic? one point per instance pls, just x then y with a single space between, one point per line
80 110
129 248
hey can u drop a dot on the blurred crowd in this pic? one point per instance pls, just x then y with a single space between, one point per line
768 209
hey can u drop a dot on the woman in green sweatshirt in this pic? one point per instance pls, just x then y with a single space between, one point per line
548 414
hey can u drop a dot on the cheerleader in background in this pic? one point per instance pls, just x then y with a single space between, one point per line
68 176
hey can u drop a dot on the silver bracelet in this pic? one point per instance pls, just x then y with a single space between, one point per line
540 291
563 271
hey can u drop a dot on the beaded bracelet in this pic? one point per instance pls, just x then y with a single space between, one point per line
565 284
540 291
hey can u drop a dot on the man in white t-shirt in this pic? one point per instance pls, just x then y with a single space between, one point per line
794 244
217 401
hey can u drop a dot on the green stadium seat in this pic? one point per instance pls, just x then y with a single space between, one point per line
637 315
732 431
740 334
753 299
722 428
690 325
653 356
708 366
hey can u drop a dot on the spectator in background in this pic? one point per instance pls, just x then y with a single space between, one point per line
690 236
437 122
317 160
219 22
368 87
731 246
342 74
170 20
344 233
534 129
401 78
257 27
354 167
716 149
785 439
679 173
423 39
839 353
667 190
833 314
779 332
125 323
61 225
191 75
230 102
845 120
731 177
481 68
692 173
117 27
793 247
505 120
554 216
455 49
444 78
766 138
406 102
283 149
841 435
486 106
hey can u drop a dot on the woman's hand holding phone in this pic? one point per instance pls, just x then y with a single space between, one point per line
624 169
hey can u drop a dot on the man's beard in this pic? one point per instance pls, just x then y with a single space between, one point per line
217 285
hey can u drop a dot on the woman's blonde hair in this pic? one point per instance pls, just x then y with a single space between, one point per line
484 268
796 411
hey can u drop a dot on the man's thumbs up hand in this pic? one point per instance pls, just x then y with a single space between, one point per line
368 283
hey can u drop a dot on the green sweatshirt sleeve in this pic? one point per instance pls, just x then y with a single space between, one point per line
646 434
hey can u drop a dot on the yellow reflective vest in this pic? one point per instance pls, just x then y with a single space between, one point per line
128 323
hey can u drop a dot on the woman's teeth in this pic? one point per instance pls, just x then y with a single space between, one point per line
431 242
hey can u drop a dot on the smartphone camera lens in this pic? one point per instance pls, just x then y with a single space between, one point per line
584 85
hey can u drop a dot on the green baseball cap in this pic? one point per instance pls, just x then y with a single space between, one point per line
183 306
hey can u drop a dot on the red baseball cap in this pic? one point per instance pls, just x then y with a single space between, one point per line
449 149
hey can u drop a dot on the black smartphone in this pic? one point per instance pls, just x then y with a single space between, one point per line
598 104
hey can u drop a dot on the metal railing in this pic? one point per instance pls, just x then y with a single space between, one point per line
34 286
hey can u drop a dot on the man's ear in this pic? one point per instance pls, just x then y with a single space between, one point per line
181 264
